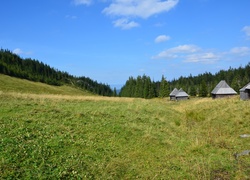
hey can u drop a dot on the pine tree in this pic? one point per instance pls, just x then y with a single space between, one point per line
139 87
114 92
203 89
164 88
146 86
193 90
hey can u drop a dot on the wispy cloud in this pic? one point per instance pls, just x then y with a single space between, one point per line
195 54
71 17
18 51
130 9
184 49
189 53
161 38
206 57
125 23
241 51
246 29
177 51
139 8
82 2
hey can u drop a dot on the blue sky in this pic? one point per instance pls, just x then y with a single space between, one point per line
110 40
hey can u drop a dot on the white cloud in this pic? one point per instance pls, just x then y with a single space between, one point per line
82 2
207 57
242 51
129 9
165 55
17 51
71 17
189 53
246 29
161 38
139 8
125 23
175 52
184 49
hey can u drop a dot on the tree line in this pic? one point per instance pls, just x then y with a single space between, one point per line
144 87
141 86
13 65
200 85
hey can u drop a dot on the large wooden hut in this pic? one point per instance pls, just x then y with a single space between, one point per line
181 95
245 92
222 90
173 94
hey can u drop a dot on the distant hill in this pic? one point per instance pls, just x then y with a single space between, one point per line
33 70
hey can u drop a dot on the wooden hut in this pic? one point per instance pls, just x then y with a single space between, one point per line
181 95
222 90
245 92
173 94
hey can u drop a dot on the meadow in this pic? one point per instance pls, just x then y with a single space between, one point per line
51 135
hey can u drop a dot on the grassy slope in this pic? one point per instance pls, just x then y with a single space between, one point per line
11 84
50 136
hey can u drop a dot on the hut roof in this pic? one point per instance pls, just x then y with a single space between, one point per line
181 93
174 92
245 87
223 88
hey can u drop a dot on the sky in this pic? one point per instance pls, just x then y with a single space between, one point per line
111 40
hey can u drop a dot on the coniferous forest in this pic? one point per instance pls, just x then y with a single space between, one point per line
33 70
200 85
141 86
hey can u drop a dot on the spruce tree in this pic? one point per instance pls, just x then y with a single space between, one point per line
114 92
193 90
203 89
146 81
164 88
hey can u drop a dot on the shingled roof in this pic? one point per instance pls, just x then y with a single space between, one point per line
223 88
181 93
174 92
245 87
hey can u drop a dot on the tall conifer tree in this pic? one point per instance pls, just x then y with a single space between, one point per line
164 88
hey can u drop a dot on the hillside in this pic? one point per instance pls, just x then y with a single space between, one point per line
33 70
12 84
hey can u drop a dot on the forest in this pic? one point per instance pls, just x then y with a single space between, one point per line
33 70
200 85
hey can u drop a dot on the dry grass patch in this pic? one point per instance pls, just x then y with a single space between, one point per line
65 97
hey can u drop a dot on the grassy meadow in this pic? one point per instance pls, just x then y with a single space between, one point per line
69 135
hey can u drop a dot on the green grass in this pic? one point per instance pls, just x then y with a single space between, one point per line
79 137
11 84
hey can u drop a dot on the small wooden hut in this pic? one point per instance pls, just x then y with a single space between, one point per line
181 95
245 92
222 90
173 94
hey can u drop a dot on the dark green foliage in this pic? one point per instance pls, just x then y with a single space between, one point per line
192 90
141 87
114 92
164 88
203 89
235 77
201 84
30 69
